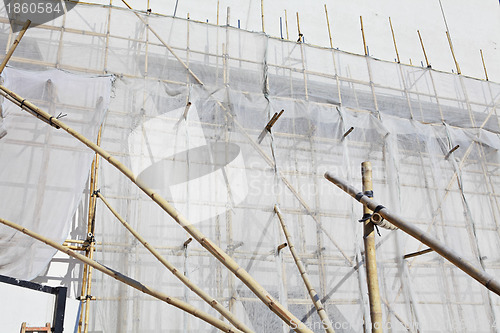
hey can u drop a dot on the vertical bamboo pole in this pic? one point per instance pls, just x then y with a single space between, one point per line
286 26
328 24
453 53
298 28
87 289
370 255
394 40
423 49
327 324
363 35
484 65
14 45
262 14
217 12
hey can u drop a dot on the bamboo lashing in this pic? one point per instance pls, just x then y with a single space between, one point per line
165 44
363 35
484 65
370 253
218 253
394 40
328 24
125 279
478 274
423 49
14 45
178 274
327 324
453 52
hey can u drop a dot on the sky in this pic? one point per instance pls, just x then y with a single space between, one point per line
473 25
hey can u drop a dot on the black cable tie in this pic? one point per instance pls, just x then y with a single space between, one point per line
22 103
50 121
95 192
378 209
359 196
369 194
365 218
378 231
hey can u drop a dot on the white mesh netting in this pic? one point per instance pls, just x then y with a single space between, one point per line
209 165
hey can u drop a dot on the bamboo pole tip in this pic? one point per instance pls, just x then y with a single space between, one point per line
366 166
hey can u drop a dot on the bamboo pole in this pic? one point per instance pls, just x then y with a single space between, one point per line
125 279
217 12
328 24
178 274
423 49
363 35
453 52
165 44
262 14
394 40
478 274
370 254
484 65
286 25
14 45
327 324
208 244
298 29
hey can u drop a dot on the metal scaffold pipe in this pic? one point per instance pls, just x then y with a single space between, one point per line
478 274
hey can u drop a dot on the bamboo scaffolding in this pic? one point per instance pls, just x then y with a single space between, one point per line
14 45
394 40
478 274
125 279
178 274
208 244
165 44
370 254
327 324
286 26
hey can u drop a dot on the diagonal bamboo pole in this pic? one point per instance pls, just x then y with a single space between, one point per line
327 324
178 274
14 46
208 244
478 274
370 254
165 44
125 279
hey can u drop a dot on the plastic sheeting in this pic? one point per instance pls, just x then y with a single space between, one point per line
43 171
208 164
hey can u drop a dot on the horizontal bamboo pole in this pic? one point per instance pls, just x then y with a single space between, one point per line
327 324
197 290
14 45
125 279
478 274
208 244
